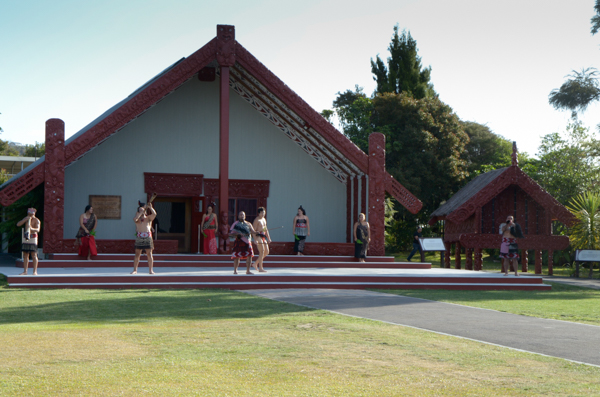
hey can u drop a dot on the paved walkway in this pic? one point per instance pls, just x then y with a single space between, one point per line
571 341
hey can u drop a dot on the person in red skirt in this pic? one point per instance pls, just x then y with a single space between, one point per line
85 234
210 224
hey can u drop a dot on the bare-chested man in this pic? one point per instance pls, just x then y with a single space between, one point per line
30 241
262 239
143 240
509 250
242 247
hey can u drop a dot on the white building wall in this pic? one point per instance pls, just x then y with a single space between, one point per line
180 134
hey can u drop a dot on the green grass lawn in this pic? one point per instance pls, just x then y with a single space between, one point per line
225 343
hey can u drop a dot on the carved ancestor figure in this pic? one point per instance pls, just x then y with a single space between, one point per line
223 233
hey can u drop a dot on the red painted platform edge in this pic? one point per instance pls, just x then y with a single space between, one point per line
226 258
542 287
159 264
264 279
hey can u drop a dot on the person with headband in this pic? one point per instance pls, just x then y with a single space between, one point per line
210 224
29 244
143 240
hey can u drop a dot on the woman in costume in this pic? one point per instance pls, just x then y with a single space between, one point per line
362 237
242 246
301 230
210 224
86 233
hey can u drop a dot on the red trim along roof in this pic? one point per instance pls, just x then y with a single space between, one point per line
512 175
171 80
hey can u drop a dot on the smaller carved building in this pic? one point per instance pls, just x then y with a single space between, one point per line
472 217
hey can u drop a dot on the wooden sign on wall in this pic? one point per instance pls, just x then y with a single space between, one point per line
106 207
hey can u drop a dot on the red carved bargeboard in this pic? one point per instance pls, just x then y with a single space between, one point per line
121 246
173 185
338 249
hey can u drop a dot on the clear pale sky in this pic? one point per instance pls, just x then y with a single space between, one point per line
493 62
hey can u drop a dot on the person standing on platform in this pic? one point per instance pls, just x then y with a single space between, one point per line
242 246
301 230
362 236
416 244
143 240
509 250
210 225
85 234
262 239
29 244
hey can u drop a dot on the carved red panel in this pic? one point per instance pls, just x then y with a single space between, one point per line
448 247
513 176
524 261
54 186
377 182
173 185
226 45
20 187
400 193
287 248
457 259
529 242
239 188
478 259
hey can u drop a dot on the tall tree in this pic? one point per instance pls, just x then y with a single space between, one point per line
485 151
567 166
425 140
404 72
581 88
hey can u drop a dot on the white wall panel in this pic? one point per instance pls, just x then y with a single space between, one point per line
181 135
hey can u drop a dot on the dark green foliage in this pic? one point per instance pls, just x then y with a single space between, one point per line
17 211
424 143
596 18
578 92
567 166
485 151
354 109
36 150
403 72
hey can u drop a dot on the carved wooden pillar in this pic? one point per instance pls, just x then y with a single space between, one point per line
363 194
377 193
550 262
226 58
457 260
349 210
54 186
355 211
538 261
469 259
447 255
524 261
478 259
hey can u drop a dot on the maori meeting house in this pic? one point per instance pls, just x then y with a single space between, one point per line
219 126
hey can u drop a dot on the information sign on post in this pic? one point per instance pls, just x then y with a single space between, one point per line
585 256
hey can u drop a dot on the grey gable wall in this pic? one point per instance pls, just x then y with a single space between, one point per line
181 135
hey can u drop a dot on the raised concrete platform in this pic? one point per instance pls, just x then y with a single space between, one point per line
300 277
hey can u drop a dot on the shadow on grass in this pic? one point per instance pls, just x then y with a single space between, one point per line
140 306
